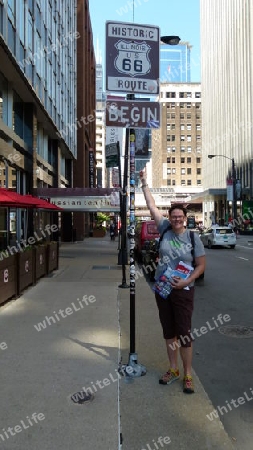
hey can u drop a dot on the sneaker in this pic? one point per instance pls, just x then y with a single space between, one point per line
169 377
188 385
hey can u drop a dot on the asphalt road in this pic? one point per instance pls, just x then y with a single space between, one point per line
223 351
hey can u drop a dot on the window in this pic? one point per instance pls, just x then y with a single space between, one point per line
198 116
188 105
12 11
198 149
168 115
168 160
198 182
189 182
189 171
198 127
181 105
182 149
181 127
198 160
188 115
173 149
182 182
173 115
189 149
170 94
197 94
168 182
197 105
198 171
168 171
173 171
198 137
181 116
181 94
173 160
168 149
189 94
173 105
182 138
171 138
189 138
189 127
182 171
173 182
189 160
182 160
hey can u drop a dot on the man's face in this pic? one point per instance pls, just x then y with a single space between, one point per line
177 219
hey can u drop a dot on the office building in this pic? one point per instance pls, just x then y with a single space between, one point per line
227 110
46 58
175 63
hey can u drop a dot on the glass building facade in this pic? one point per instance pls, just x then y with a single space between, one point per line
175 63
41 36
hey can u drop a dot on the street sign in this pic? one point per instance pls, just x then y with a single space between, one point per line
111 155
133 114
132 58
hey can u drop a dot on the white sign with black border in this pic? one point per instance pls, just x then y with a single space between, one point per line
132 58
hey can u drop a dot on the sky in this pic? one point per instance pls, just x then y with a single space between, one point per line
177 17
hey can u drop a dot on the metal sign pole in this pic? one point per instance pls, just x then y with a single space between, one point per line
133 368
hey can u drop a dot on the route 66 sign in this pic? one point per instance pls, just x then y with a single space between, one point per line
132 58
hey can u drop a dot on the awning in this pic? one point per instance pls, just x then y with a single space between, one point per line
10 198
40 203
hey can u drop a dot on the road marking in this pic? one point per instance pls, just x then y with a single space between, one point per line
240 257
243 246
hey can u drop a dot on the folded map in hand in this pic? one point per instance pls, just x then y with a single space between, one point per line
163 284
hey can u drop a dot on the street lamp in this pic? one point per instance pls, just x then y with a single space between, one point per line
233 180
170 40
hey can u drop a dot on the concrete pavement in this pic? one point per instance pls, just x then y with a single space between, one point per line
68 334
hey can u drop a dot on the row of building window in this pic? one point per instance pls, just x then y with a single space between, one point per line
172 105
182 160
183 149
183 171
188 138
183 116
183 183
188 126
183 94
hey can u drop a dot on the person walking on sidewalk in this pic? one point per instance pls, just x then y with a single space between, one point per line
175 312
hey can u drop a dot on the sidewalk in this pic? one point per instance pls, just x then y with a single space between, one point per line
84 333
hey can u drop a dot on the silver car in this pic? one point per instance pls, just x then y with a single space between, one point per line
218 236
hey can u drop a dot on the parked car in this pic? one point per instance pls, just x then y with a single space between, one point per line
218 236
144 233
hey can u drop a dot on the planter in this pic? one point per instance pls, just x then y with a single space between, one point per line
99 232
26 269
8 278
52 256
40 261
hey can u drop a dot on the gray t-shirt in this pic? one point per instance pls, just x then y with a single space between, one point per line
176 247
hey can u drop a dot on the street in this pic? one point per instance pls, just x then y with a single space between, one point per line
223 357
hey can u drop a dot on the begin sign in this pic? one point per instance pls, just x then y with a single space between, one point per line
133 114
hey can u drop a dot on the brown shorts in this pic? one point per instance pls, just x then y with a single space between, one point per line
175 314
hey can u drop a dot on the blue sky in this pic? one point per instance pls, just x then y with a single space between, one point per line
177 17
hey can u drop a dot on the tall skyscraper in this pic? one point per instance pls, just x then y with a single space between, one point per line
175 63
227 80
